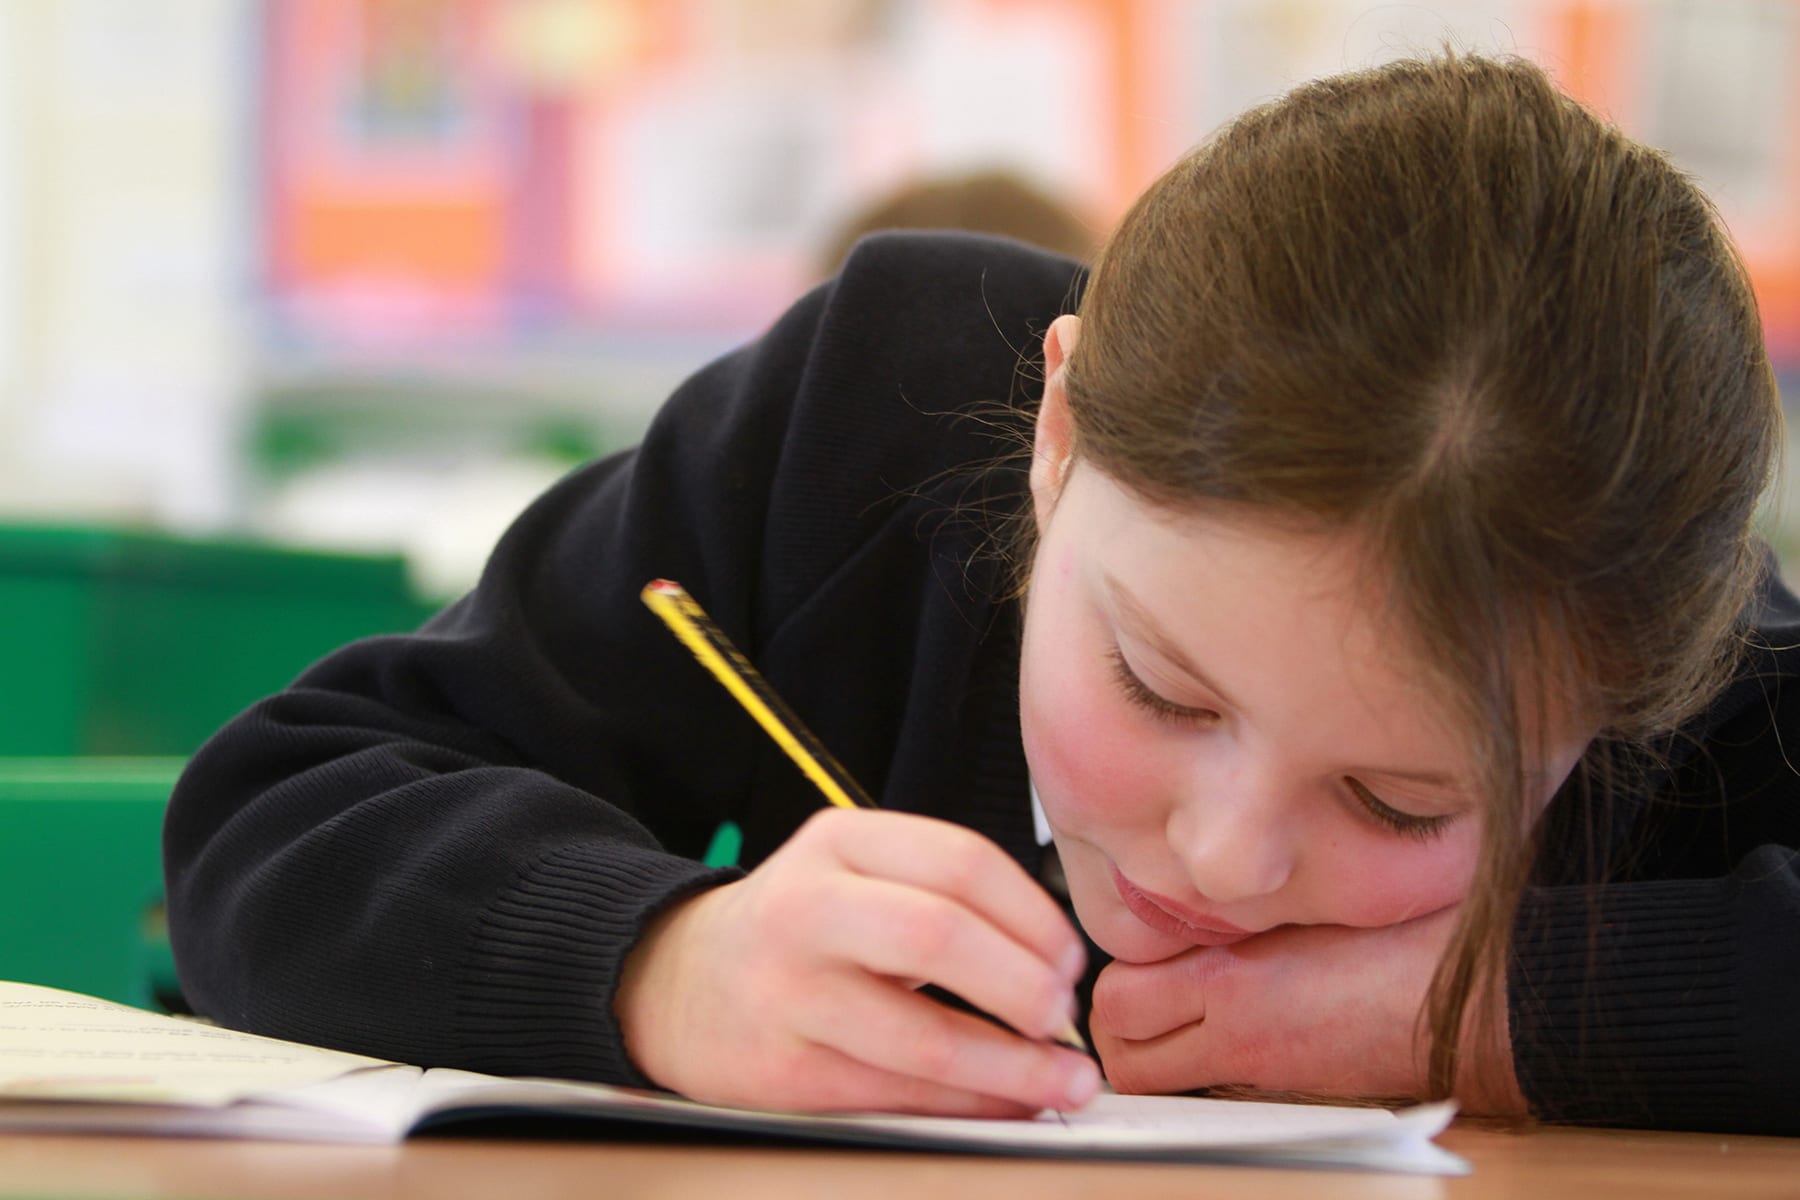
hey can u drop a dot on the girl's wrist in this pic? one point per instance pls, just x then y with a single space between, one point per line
648 984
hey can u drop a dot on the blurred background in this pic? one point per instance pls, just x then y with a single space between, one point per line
366 274
301 300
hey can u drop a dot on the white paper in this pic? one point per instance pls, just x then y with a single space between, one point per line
77 1064
1113 1126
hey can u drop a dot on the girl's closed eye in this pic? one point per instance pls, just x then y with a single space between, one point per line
1404 823
1143 696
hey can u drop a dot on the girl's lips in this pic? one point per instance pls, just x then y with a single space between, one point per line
1160 914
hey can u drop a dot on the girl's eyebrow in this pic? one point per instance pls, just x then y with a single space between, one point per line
1142 625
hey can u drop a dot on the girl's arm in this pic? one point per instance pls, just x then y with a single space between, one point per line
438 847
443 847
1666 997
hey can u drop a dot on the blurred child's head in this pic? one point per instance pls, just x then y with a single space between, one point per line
1411 426
993 201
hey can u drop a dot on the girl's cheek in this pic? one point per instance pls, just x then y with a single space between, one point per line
1090 761
1388 884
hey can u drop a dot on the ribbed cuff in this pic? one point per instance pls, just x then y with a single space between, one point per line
1624 1004
545 961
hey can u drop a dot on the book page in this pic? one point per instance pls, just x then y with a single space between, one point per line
57 1045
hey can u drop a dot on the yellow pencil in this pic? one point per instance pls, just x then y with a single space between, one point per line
708 643
689 622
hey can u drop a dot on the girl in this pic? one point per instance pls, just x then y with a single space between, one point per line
1373 638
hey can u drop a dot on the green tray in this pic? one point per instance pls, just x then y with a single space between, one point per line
116 642
81 876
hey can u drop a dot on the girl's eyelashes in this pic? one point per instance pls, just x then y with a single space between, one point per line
1405 824
1139 694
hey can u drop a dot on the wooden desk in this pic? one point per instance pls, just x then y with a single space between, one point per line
1544 1164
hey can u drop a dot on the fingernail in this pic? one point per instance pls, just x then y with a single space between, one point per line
1075 961
1083 1085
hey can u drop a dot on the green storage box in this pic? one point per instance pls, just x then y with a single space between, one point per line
81 875
121 642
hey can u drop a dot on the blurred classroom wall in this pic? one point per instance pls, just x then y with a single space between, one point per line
370 273
122 222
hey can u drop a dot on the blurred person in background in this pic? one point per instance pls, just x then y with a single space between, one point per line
994 201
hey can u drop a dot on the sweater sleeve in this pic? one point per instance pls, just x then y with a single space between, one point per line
1665 996
439 847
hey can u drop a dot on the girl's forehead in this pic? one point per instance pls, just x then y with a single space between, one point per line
1233 584
1296 558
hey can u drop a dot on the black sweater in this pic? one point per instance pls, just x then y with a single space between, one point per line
439 847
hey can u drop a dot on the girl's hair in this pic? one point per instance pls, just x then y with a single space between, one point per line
1443 306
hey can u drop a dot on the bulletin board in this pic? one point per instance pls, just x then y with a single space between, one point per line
436 169
456 170
387 167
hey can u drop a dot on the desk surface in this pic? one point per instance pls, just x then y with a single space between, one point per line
1542 1164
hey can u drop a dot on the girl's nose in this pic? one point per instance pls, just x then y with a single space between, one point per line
1236 838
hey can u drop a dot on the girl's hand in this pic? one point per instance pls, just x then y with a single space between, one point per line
793 988
1323 1009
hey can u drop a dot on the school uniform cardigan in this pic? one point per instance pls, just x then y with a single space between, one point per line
439 847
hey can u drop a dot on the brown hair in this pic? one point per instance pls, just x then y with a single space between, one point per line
1443 304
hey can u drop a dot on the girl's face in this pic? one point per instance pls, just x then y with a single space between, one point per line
1223 735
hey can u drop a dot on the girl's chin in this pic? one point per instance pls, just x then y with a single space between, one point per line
1127 939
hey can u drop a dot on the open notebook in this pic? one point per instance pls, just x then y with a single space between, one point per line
73 1063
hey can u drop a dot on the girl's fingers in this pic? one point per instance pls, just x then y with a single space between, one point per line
900 1033
1140 1001
961 864
1180 1060
822 934
836 1082
903 932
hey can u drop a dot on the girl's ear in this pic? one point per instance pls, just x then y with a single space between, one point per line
1053 444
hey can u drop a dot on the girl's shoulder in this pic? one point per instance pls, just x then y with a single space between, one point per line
917 374
923 324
